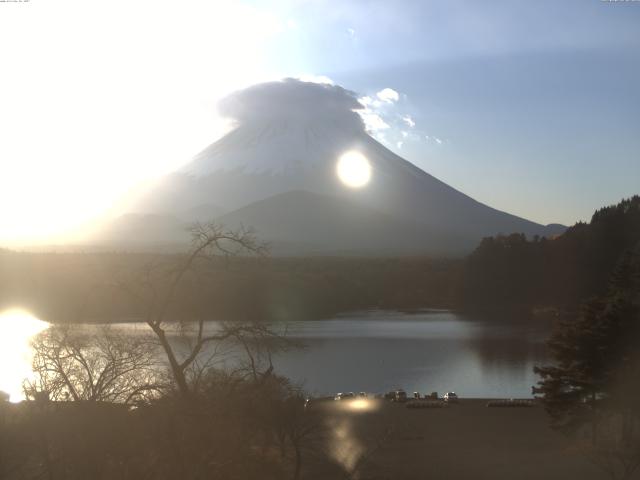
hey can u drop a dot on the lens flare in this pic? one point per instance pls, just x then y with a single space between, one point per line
353 169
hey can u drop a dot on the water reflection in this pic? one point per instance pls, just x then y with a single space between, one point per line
17 328
346 449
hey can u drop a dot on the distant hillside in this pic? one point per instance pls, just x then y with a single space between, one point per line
84 287
304 223
511 270
144 231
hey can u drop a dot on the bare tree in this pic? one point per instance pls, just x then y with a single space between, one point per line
70 364
161 293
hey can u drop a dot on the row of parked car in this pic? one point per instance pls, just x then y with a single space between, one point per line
349 396
400 396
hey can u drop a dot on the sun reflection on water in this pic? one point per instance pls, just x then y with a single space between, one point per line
17 328
346 445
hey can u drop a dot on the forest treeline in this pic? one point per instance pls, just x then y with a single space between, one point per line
513 271
503 273
74 287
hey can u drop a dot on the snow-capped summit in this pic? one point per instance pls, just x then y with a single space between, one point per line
280 147
282 128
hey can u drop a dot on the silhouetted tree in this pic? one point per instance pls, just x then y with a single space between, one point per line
104 366
157 289
180 293
513 271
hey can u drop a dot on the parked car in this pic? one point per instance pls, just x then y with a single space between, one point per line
344 396
400 396
450 397
362 395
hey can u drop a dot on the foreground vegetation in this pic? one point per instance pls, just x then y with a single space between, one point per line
592 391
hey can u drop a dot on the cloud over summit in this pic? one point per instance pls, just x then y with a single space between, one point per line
294 100
314 100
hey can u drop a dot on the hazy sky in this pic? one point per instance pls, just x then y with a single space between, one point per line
529 106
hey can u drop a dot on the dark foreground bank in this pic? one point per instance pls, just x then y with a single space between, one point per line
247 436
379 440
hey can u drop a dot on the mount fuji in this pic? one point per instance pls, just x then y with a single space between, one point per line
276 172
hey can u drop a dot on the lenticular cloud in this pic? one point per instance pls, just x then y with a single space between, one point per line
294 100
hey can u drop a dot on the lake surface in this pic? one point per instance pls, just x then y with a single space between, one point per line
427 351
372 352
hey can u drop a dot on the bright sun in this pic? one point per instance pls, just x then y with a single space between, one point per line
353 169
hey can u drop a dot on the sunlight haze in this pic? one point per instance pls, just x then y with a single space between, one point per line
522 106
319 239
97 97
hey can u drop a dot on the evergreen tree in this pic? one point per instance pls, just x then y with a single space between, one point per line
513 271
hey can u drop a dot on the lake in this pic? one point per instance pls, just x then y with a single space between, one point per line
426 351
375 352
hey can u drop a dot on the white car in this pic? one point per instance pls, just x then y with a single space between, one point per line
450 397
400 396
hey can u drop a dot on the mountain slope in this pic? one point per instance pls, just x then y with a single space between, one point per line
289 137
306 223
142 230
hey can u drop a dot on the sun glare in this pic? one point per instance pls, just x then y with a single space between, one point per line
17 328
353 169
77 136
